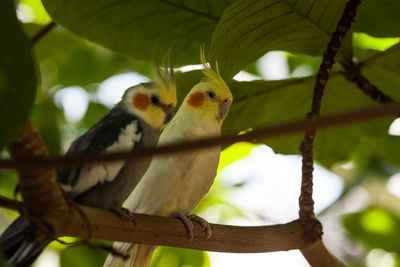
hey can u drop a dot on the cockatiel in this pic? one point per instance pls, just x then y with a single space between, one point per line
175 183
135 122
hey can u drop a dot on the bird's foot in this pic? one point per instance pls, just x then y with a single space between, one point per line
204 224
124 214
187 221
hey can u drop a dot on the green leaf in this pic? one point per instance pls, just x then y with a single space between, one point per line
177 257
382 69
375 227
142 28
379 18
17 75
78 62
46 117
94 113
248 29
82 256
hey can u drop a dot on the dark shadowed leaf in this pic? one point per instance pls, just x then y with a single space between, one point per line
17 76
94 113
46 117
67 60
248 29
82 256
379 18
142 28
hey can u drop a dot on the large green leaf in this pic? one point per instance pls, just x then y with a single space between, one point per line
379 18
66 59
142 28
249 28
260 103
17 76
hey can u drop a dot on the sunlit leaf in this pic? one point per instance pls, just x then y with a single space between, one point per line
40 15
248 29
177 257
17 76
376 228
234 152
142 28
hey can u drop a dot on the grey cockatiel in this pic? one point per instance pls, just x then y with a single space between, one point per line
133 123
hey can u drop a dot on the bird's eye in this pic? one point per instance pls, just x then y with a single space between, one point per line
211 94
155 100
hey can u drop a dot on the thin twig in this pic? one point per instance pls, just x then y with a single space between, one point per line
318 255
257 134
11 204
306 201
353 73
42 32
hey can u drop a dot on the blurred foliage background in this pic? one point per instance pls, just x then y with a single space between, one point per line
100 48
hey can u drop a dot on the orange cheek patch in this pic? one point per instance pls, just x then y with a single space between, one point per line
141 101
196 99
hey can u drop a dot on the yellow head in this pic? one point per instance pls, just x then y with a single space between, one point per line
155 101
211 97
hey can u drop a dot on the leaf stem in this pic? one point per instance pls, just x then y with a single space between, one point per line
42 32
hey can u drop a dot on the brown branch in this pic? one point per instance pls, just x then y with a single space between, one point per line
42 32
306 148
257 134
320 256
38 185
171 232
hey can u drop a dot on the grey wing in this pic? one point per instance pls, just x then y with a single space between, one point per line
117 131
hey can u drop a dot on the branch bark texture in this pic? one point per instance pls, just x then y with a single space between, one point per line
38 184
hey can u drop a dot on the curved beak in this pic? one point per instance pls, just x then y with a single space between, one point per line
169 111
223 108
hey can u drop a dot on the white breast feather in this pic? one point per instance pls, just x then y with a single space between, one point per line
100 173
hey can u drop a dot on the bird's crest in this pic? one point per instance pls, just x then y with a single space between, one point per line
212 76
165 75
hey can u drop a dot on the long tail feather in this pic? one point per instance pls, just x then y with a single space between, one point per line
19 252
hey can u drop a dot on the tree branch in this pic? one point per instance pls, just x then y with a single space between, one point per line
318 255
171 232
312 228
257 134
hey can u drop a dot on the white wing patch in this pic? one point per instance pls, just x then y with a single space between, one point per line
106 172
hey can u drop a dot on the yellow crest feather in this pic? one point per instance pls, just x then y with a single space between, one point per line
211 75
165 75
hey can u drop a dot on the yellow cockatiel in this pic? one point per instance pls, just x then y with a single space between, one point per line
177 182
